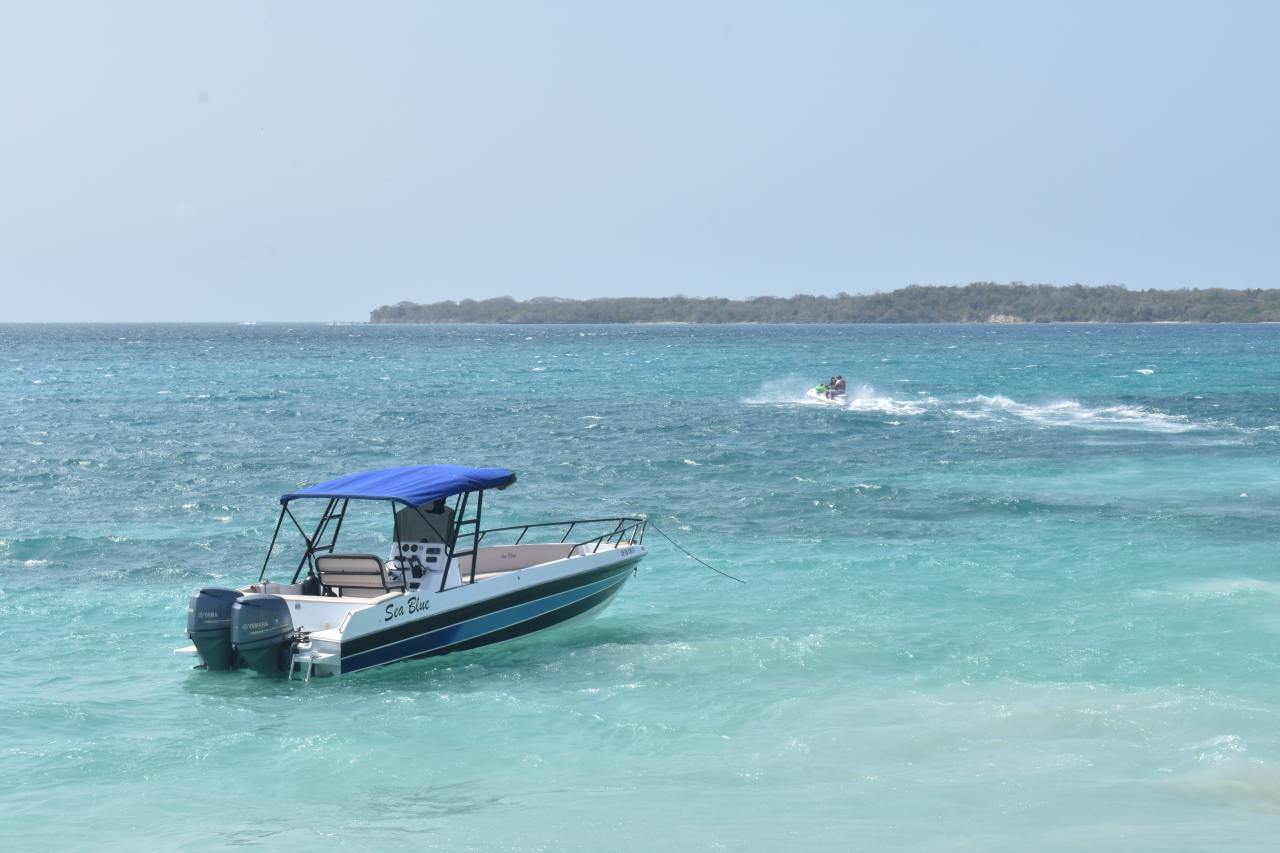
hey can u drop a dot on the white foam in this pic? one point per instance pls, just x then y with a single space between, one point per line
1069 413
864 398
1221 744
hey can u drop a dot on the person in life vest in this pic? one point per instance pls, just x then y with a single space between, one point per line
838 385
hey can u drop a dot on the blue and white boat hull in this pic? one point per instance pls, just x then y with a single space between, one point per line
446 623
339 636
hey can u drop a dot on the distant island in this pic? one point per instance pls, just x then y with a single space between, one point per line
981 302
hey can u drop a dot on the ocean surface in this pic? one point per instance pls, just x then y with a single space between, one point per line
1020 593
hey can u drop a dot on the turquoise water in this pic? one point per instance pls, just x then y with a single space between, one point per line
1021 593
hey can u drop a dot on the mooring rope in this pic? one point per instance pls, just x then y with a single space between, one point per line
687 554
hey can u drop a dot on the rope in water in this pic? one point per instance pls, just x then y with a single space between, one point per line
687 554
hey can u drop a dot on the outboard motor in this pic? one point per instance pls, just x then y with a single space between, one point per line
209 625
262 633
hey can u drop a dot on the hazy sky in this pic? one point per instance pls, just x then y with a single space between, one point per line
312 160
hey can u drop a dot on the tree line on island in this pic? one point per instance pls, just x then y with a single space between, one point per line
981 302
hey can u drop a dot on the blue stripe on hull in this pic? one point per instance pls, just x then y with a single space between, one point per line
504 623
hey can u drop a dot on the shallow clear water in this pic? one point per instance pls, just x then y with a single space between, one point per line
1020 593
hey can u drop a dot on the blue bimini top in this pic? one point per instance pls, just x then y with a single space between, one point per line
412 484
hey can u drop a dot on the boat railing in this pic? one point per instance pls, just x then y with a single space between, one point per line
624 530
632 534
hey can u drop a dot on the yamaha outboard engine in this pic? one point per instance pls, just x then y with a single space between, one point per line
209 625
262 633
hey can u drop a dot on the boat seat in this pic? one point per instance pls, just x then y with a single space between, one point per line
357 575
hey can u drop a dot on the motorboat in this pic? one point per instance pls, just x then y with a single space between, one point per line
447 583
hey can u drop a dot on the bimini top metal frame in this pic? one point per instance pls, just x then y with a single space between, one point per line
413 486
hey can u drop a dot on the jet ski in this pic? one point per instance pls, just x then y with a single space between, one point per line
813 395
